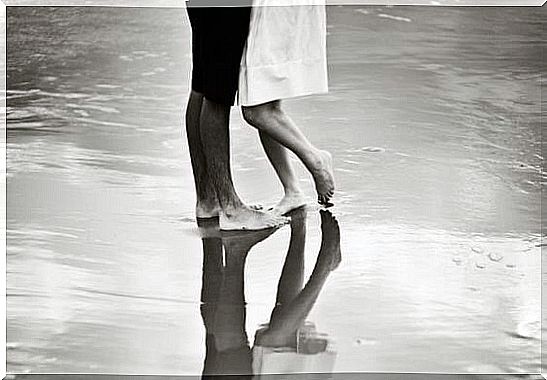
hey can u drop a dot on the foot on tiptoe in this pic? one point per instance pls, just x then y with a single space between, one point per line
289 202
323 176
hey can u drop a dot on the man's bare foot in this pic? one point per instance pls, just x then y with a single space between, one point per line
289 202
245 218
324 177
205 210
329 254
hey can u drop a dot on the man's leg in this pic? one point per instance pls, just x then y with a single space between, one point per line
206 200
235 215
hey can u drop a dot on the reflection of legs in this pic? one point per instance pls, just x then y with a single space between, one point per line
271 119
210 292
230 315
286 320
281 162
230 320
212 270
223 309
216 143
292 276
207 204
290 283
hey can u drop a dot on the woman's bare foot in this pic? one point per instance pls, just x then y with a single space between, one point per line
289 202
324 177
245 218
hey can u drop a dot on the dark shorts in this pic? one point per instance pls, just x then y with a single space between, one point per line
219 35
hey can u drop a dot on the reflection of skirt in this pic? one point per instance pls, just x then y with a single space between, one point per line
285 55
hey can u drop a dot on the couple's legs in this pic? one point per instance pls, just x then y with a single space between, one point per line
209 143
278 132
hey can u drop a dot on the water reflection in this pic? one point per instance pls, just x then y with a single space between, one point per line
436 133
288 343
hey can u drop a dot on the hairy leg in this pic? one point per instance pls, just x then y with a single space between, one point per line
206 200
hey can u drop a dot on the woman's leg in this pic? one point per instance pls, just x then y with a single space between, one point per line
270 119
281 162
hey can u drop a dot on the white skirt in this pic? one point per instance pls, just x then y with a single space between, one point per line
286 51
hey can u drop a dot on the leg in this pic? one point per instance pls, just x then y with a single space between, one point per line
271 119
216 146
215 140
281 162
207 205
291 281
206 200
289 317
223 313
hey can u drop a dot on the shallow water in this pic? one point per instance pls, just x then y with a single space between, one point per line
433 119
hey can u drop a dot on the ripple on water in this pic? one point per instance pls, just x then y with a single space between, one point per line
396 18
372 149
495 257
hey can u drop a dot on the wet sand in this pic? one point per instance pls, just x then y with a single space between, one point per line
433 118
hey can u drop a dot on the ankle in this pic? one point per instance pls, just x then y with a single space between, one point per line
207 203
292 191
314 160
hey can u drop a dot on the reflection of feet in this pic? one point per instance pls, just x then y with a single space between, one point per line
289 202
208 228
324 177
245 218
266 338
329 254
243 241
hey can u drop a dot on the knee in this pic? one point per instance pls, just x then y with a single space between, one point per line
259 115
253 115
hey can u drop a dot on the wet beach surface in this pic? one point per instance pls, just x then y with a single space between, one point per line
433 118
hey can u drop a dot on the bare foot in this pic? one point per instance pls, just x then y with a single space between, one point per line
288 203
329 254
206 210
324 177
245 218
